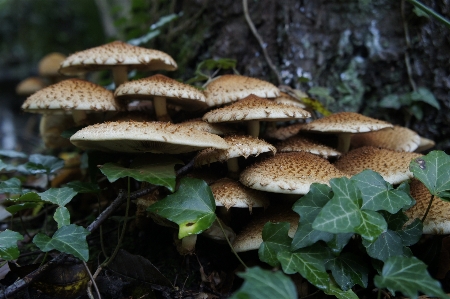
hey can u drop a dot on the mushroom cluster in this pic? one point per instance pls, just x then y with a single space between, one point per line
226 122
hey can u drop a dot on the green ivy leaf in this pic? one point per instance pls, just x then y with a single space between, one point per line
275 239
390 101
425 95
58 196
348 270
191 207
334 290
386 245
372 225
433 170
261 284
408 275
8 244
12 186
377 194
62 216
341 214
309 262
412 233
155 169
306 235
12 154
395 221
338 242
69 239
83 187
43 164
21 206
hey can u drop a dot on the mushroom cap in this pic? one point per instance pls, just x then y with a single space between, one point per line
175 92
71 94
29 86
398 139
349 122
199 124
230 193
437 221
283 133
286 99
425 144
50 63
116 53
303 144
239 146
230 88
391 165
253 107
250 238
139 137
290 173
52 126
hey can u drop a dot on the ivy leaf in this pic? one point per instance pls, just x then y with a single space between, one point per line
309 262
12 186
58 196
341 214
21 206
155 169
395 221
408 275
386 245
12 154
83 187
433 170
338 242
348 270
62 216
308 207
8 244
377 194
372 225
412 233
69 239
425 95
390 101
334 290
191 207
43 164
261 284
275 239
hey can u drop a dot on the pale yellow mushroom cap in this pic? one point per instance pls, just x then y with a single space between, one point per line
437 221
116 53
231 88
290 173
29 86
50 63
391 165
139 137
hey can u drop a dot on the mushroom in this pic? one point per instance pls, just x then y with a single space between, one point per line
289 173
49 66
286 99
391 165
344 124
398 139
283 133
253 109
29 86
239 146
425 144
72 96
140 137
118 56
230 88
199 124
437 221
162 89
303 144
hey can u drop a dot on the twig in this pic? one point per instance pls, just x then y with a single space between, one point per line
431 12
92 281
260 41
408 45
428 208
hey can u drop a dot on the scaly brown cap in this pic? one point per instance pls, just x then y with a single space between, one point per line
391 165
199 124
139 137
283 133
230 193
116 53
231 88
437 221
303 144
290 173
398 139
286 99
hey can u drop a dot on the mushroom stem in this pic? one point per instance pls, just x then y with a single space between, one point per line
120 75
253 128
344 142
161 108
188 242
79 117
233 168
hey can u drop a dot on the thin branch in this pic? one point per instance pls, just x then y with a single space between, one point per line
260 41
408 45
431 12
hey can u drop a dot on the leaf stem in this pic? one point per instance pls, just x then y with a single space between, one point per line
431 12
428 209
229 243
